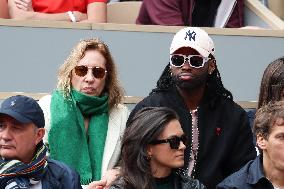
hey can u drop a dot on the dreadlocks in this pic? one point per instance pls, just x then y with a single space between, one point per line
272 83
214 82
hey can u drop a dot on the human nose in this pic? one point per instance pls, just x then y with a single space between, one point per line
186 65
5 134
89 76
182 146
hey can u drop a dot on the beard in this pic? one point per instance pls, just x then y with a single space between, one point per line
194 83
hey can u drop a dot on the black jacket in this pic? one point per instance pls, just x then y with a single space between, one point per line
180 182
251 176
60 176
225 137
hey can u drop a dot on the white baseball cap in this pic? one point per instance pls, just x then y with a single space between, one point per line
195 38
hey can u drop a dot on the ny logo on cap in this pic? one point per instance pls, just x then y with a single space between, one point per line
190 35
13 103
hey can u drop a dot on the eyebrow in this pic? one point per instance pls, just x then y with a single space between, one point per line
176 135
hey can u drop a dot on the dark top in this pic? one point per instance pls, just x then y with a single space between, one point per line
251 176
225 137
60 176
187 13
251 117
165 183
175 180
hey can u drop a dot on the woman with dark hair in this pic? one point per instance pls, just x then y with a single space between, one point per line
272 83
152 149
271 87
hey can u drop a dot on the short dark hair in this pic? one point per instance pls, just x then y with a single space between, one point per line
142 129
272 83
266 117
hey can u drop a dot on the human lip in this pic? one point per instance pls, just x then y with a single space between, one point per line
185 76
180 155
4 146
88 90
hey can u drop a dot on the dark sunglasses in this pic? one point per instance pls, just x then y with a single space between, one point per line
97 72
174 141
195 61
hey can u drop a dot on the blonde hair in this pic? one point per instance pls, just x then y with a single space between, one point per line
112 86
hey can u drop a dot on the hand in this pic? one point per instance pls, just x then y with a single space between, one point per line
106 181
97 184
25 5
110 176
80 16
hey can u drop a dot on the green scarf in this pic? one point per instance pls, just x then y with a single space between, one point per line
68 140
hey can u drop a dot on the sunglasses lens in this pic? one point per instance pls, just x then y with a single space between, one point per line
81 70
98 72
177 60
174 142
184 139
196 61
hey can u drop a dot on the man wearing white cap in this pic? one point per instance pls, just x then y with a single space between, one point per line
220 137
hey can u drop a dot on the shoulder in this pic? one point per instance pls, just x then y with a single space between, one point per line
165 98
60 168
59 174
45 101
229 107
119 110
118 116
158 98
237 179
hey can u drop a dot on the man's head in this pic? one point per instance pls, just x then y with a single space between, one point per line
269 130
21 128
192 64
191 58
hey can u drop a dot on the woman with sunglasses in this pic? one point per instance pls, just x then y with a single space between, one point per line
152 151
84 117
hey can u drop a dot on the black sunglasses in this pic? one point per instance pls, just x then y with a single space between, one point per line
174 141
97 72
195 61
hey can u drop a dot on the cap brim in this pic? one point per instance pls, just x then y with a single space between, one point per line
201 51
16 116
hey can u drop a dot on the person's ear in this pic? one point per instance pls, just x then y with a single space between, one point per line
39 135
211 66
261 142
149 152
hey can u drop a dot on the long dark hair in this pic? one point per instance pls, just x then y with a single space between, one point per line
142 129
214 83
272 83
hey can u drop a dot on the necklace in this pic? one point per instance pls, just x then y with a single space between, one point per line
194 143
